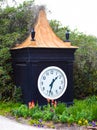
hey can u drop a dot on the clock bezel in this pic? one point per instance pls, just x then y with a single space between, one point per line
65 78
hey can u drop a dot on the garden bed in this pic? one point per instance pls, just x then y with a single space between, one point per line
50 124
82 115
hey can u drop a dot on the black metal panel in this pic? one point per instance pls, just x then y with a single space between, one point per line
28 64
41 54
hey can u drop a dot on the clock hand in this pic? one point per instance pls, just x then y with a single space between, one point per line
53 81
51 85
55 78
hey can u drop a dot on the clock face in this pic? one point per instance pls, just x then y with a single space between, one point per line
52 82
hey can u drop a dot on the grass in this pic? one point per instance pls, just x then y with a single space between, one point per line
7 107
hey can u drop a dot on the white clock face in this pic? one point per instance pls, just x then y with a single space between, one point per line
52 82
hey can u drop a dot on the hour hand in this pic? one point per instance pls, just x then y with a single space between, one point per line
51 84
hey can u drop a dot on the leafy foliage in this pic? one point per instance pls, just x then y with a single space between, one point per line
15 24
82 112
60 108
6 107
17 94
85 64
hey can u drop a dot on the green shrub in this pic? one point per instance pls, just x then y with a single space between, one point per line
60 108
22 111
6 107
37 115
17 94
63 118
48 115
82 112
94 111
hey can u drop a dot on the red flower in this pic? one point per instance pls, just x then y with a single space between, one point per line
48 100
55 103
31 104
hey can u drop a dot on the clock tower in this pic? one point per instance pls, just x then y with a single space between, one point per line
43 65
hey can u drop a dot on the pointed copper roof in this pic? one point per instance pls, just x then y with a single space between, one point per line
44 36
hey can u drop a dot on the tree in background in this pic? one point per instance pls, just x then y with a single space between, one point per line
85 65
15 23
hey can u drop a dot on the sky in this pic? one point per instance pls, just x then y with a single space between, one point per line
80 14
77 14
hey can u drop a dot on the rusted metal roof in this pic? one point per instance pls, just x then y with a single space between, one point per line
44 36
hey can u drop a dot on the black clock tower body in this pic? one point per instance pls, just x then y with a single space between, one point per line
28 64
40 50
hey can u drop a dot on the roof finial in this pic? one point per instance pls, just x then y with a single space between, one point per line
67 34
32 34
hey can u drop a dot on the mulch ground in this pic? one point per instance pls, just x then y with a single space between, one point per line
57 126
